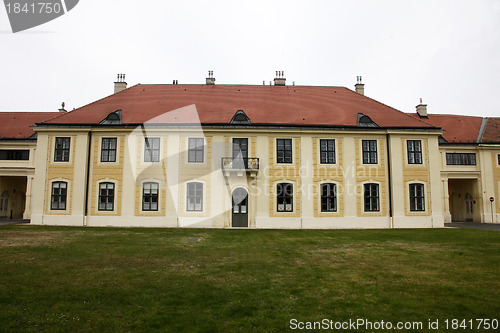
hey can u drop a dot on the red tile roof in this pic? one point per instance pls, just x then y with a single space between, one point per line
216 104
491 131
16 125
458 129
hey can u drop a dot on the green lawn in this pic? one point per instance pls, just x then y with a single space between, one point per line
58 279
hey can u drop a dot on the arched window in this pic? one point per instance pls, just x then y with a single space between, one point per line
328 197
371 197
58 196
106 196
284 197
194 197
150 196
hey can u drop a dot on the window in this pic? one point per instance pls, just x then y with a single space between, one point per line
61 153
460 159
150 196
151 149
106 196
15 155
371 198
328 197
195 150
414 148
498 159
284 150
327 151
195 197
370 152
285 197
58 197
417 198
108 150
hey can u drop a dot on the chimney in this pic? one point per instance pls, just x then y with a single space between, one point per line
360 87
210 80
422 110
120 83
62 108
279 80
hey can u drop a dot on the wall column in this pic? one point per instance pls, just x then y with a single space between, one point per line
27 206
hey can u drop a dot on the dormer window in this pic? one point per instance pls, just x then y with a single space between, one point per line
114 118
240 118
365 121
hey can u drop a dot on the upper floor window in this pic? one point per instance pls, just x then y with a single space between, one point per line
108 150
195 150
194 197
417 197
328 197
58 196
150 196
61 152
151 149
284 197
14 155
370 152
106 196
414 148
498 159
284 150
327 151
460 159
371 196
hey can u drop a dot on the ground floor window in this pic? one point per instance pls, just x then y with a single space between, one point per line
284 195
195 197
328 197
371 195
417 198
106 196
58 196
150 196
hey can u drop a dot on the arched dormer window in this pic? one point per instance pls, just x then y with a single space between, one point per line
365 121
240 118
114 118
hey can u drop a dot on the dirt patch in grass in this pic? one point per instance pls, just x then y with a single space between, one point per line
34 238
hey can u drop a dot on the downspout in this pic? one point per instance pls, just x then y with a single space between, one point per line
87 177
387 137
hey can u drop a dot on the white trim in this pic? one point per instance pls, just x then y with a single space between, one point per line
409 212
318 193
186 151
52 158
143 149
318 146
115 198
378 212
141 196
68 193
203 199
117 157
294 198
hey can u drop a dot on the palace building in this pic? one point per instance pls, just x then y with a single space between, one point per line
249 156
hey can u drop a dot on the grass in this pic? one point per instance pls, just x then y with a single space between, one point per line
57 279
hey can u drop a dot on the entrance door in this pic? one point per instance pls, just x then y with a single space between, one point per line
240 153
468 207
240 208
4 204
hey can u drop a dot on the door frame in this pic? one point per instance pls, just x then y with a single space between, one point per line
247 207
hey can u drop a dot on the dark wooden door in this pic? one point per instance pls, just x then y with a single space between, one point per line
240 208
240 153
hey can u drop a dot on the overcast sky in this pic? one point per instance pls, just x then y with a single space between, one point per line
446 52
